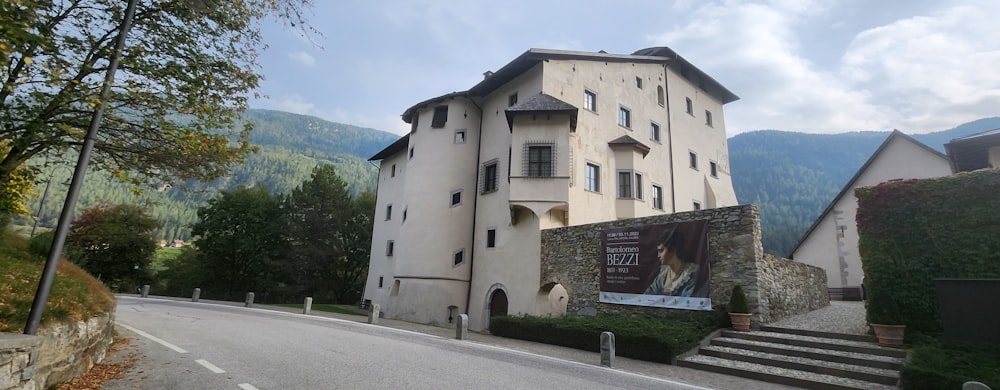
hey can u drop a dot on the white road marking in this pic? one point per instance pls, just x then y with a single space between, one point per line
246 386
211 367
154 338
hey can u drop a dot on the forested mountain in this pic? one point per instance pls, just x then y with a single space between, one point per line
290 145
792 177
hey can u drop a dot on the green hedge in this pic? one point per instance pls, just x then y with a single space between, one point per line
936 365
656 339
914 231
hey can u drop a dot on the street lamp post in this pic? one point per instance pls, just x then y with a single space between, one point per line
65 218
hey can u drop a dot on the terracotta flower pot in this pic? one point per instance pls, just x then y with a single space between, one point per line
889 335
741 321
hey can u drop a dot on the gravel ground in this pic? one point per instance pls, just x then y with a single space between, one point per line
839 317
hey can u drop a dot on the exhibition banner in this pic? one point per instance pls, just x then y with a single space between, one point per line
661 265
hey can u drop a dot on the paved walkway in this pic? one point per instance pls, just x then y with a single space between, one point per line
841 317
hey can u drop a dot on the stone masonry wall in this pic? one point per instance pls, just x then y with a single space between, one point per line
56 355
571 256
18 356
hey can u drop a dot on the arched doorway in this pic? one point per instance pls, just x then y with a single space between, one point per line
498 303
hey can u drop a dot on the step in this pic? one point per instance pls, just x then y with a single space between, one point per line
816 333
778 375
816 342
835 356
860 372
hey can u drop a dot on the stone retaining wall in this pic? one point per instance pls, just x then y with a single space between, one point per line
56 355
775 288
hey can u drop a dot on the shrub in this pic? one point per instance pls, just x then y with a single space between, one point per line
41 243
936 365
656 339
738 301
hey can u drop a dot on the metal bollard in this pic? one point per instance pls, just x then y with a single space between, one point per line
249 300
462 327
145 291
373 315
195 295
607 349
307 307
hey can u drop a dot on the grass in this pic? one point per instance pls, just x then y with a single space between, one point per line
75 295
324 307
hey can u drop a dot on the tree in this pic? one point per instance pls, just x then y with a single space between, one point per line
173 113
114 243
242 236
319 211
14 190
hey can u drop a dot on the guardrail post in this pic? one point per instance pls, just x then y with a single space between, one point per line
462 327
307 307
373 314
196 295
607 349
145 291
249 300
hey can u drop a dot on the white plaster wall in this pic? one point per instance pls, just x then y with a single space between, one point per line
690 133
994 156
901 159
390 191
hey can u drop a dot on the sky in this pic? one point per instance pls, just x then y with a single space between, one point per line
918 66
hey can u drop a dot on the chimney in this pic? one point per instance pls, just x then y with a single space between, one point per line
487 74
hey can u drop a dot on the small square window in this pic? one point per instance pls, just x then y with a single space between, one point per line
460 137
693 158
657 197
654 132
458 257
696 205
440 117
388 212
713 168
592 178
708 118
690 106
491 238
638 82
411 152
404 215
624 117
380 280
589 101
393 172
456 198
390 247
512 99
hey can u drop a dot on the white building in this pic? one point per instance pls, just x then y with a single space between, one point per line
552 139
831 242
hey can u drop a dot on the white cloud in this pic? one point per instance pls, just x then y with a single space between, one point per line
302 58
919 74
935 71
291 103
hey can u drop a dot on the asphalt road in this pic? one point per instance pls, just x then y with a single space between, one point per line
184 345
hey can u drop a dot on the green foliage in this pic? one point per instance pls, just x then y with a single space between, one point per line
656 339
173 111
74 296
738 301
181 274
114 243
936 365
243 236
914 231
41 243
14 189
289 147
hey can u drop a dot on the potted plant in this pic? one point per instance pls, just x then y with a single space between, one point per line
739 311
884 317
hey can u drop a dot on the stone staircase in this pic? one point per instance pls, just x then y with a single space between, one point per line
802 358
